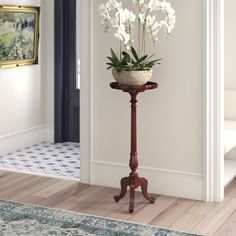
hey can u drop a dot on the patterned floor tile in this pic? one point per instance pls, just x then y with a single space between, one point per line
60 159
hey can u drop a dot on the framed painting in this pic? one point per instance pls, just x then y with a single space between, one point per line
19 35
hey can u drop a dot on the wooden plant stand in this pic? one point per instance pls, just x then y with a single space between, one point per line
133 181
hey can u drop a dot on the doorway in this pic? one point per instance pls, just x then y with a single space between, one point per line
230 92
50 156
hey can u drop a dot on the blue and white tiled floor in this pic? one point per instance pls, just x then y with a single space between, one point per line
57 160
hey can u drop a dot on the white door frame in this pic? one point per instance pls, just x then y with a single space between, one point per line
86 92
214 100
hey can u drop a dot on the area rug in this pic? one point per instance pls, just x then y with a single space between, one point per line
30 220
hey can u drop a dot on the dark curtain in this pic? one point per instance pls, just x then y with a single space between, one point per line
65 64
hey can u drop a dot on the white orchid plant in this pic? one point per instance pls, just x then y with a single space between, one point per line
145 19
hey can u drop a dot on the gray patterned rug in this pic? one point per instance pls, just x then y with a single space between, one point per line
29 220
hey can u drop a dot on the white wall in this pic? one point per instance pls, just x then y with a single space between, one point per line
23 119
230 45
170 119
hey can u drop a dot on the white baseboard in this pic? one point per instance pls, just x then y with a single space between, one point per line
25 138
166 182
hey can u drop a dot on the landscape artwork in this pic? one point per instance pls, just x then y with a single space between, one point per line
19 29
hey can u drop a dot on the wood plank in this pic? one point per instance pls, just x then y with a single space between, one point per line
32 200
18 186
38 185
230 191
187 222
229 227
150 211
172 213
54 188
91 205
82 202
64 194
216 218
230 187
202 208
105 206
12 180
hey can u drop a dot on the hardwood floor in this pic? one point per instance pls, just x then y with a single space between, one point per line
169 212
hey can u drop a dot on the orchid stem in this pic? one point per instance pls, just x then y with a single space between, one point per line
144 33
120 46
139 41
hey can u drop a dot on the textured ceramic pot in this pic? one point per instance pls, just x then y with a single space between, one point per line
132 77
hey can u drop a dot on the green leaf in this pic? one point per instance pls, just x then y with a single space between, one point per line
142 59
115 59
112 60
154 61
134 54
151 64
114 55
110 64
128 63
150 56
124 53
125 59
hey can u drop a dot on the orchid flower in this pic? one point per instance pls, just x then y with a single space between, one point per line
123 20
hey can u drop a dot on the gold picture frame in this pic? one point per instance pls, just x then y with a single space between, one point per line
19 35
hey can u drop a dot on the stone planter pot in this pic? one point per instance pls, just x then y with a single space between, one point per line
132 77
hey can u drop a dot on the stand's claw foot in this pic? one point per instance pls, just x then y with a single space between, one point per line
131 210
144 186
152 200
117 199
124 185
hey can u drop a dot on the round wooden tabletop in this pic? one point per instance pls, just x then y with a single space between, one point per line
134 88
